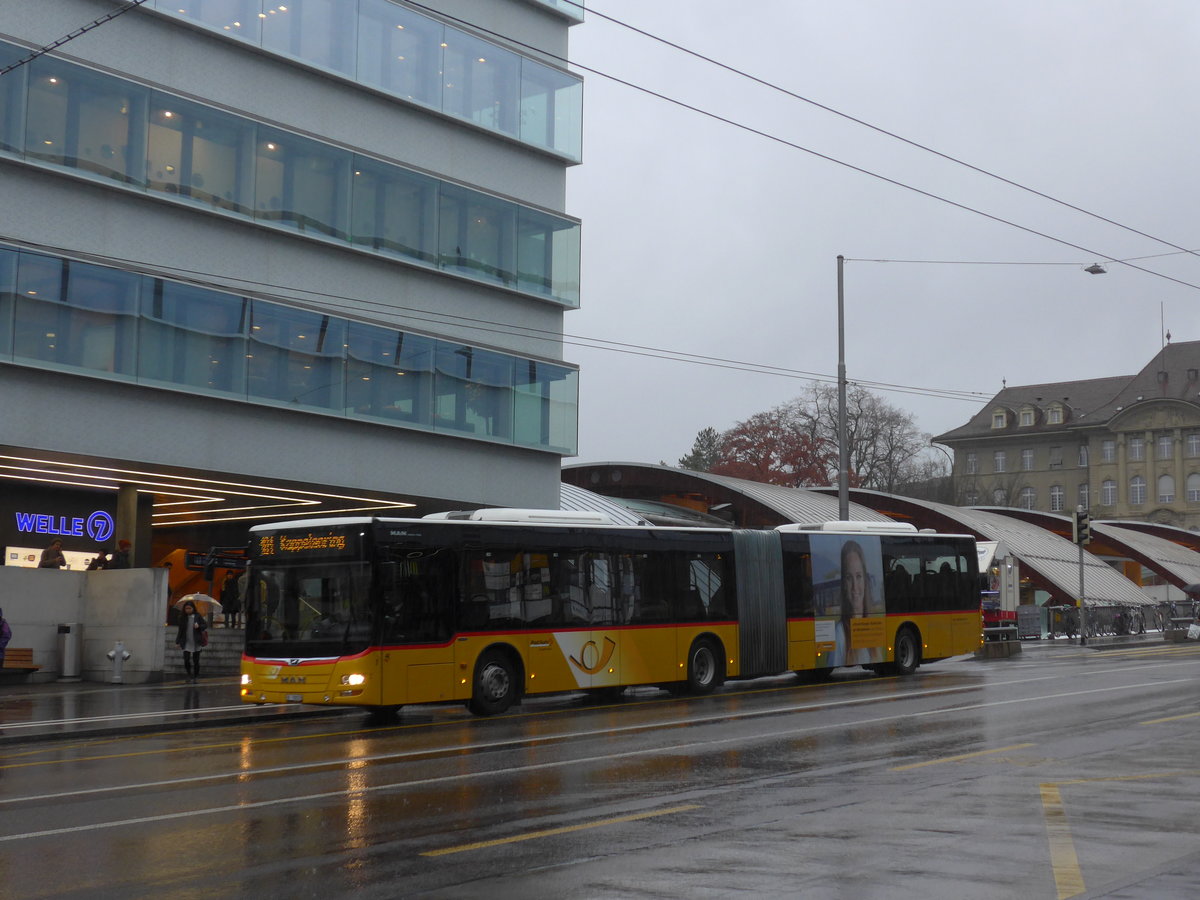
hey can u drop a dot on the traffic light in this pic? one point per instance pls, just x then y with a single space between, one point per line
1081 528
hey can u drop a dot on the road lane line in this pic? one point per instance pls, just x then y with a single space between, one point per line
1068 879
689 747
959 758
566 829
1190 715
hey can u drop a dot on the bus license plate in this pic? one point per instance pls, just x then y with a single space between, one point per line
293 698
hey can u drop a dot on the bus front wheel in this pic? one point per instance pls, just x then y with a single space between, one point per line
907 655
704 667
495 685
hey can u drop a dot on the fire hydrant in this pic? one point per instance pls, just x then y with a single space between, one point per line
118 654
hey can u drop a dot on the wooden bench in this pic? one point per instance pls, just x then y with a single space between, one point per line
19 659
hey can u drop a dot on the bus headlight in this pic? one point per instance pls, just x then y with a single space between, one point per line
245 679
354 679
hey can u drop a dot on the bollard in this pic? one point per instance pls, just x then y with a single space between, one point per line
118 654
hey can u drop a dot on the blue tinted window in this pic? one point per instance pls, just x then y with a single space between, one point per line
400 52
551 109
193 337
478 235
301 183
321 32
473 389
12 97
295 357
198 153
547 256
546 405
234 18
389 374
77 316
480 82
8 273
86 121
394 210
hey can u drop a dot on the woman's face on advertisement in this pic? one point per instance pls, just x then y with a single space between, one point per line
855 577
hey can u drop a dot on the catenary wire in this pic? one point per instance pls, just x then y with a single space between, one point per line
879 130
291 294
816 153
42 51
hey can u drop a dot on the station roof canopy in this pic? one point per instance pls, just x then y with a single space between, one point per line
745 504
1051 560
1167 551
1041 541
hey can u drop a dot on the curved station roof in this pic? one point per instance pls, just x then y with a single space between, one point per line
1040 541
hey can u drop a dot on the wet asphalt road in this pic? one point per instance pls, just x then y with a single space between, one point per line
1062 772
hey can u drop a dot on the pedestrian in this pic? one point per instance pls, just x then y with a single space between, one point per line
52 556
231 600
191 638
120 559
100 562
5 636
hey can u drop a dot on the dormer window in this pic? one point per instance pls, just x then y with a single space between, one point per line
1026 418
999 420
1054 415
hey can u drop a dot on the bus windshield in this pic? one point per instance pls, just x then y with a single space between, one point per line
319 609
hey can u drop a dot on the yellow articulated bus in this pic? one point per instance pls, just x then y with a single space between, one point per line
488 606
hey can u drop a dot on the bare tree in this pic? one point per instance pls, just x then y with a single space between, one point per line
796 443
883 440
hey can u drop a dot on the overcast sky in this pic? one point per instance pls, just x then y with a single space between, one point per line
703 238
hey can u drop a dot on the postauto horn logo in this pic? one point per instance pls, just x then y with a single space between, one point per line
98 526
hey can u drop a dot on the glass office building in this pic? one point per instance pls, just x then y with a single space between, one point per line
320 244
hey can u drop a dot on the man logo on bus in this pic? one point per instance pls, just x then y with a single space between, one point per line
593 659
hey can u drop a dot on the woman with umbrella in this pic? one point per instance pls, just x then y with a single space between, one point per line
192 636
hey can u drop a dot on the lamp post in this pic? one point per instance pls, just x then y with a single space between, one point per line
843 450
950 462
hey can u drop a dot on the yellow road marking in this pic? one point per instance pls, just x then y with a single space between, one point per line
550 832
1068 879
1191 715
949 759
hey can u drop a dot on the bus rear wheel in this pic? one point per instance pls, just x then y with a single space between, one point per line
704 667
907 654
495 684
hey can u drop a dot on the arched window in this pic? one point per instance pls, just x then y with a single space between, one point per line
1000 496
1193 487
1056 498
1084 496
1166 489
1108 493
1137 490
1028 498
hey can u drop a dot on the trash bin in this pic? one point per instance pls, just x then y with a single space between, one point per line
70 651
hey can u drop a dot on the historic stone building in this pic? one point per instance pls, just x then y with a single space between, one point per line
1125 447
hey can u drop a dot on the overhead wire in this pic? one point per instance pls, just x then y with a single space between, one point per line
354 305
684 356
826 157
48 48
883 131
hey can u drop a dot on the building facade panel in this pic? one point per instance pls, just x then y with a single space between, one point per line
195 211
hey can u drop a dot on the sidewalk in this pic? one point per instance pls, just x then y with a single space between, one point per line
58 710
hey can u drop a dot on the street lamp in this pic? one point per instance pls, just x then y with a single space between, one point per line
950 461
843 450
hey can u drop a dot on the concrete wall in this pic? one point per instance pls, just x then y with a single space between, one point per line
123 605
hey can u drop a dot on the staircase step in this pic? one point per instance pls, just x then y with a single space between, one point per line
222 656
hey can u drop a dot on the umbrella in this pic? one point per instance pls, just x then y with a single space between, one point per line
204 604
